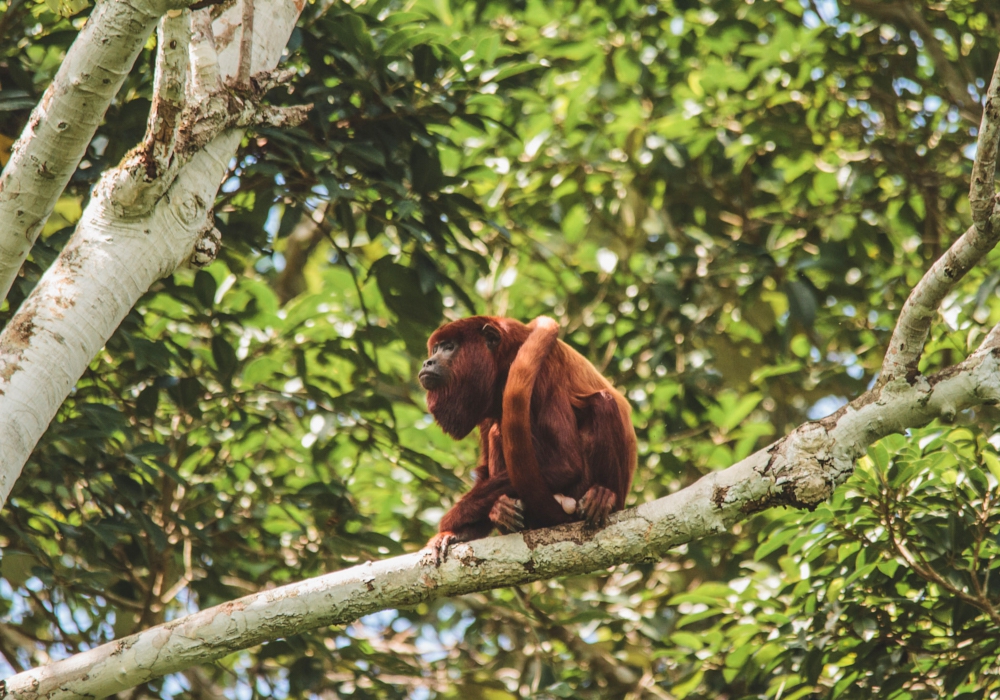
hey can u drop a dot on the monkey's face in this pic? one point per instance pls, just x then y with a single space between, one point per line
460 375
436 372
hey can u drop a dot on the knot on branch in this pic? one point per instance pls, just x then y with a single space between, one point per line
207 247
803 467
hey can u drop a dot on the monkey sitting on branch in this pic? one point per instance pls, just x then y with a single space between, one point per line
556 438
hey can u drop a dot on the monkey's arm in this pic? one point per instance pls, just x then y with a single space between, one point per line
469 519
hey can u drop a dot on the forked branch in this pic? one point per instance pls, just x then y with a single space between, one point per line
183 120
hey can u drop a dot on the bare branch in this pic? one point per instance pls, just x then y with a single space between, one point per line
149 170
173 38
982 191
303 239
237 108
246 46
205 79
910 334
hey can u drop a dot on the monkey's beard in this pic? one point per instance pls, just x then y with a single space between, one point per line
464 402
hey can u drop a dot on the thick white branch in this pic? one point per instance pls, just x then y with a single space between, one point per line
173 38
913 325
798 470
109 263
64 121
205 79
79 302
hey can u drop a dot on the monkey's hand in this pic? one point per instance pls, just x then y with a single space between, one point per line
438 546
508 514
596 505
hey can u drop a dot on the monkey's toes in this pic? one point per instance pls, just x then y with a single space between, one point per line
508 514
596 505
438 546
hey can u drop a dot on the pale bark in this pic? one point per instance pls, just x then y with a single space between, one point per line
799 470
62 125
173 38
133 232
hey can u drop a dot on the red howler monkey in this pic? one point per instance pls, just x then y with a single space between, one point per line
549 424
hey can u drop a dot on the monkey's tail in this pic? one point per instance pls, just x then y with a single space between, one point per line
515 429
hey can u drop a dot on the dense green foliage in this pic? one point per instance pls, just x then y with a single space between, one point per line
723 203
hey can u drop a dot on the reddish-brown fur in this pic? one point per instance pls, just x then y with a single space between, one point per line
562 426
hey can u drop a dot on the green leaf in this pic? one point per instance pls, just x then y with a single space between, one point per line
205 288
224 356
425 169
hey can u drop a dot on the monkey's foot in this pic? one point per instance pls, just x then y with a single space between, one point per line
569 505
438 546
596 505
508 514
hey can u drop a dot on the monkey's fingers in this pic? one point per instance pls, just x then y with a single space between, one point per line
508 514
438 546
596 505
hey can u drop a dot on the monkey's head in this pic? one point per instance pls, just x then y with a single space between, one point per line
461 373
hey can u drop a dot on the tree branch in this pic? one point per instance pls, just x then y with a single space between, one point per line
173 40
982 190
205 78
62 125
910 334
129 237
148 171
799 470
299 244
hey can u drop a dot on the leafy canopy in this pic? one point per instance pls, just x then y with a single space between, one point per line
724 203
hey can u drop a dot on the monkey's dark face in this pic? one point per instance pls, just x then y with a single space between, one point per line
436 372
460 375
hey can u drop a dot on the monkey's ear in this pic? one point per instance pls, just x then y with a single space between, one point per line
492 336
